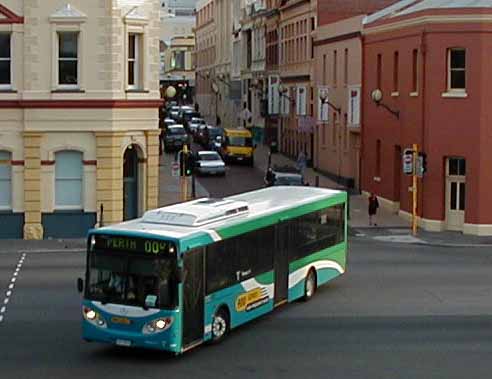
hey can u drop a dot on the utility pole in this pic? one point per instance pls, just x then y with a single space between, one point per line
414 188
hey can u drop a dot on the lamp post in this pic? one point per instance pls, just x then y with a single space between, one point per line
323 96
377 98
215 88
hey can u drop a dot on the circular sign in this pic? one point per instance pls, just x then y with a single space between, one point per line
170 92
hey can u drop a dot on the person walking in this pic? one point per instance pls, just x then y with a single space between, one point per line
301 162
373 209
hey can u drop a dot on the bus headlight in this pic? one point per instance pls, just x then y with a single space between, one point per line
93 317
157 326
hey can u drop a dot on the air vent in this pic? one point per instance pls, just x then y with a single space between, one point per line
197 213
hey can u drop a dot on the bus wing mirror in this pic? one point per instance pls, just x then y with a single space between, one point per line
80 285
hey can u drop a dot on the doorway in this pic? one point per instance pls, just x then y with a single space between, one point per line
455 193
193 297
281 262
130 183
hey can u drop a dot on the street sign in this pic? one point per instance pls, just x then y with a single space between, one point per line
408 162
419 166
175 169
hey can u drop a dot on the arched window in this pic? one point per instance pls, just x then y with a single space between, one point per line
5 180
68 180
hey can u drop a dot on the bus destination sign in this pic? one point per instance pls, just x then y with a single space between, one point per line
134 245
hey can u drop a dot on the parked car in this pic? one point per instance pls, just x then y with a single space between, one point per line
199 136
283 176
188 116
182 110
175 137
167 123
174 112
194 123
210 136
209 163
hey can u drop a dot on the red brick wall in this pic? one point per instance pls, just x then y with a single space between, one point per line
444 127
334 10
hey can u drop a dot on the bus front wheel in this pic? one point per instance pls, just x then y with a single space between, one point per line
220 325
310 286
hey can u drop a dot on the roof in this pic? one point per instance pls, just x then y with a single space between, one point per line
406 7
238 131
190 218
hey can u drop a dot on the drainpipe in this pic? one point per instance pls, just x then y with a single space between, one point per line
423 47
362 93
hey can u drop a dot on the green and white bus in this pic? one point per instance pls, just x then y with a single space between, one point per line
188 273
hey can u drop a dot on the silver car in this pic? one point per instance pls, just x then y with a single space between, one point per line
209 163
195 123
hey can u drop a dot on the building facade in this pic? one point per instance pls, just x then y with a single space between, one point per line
297 21
429 59
79 100
205 34
338 77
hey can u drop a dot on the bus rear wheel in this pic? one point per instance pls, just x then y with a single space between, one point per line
220 325
310 285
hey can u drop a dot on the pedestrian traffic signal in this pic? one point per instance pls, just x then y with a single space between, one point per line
424 162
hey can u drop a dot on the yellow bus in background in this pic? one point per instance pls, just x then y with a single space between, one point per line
238 146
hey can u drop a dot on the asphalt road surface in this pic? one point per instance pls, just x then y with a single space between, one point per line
239 178
399 312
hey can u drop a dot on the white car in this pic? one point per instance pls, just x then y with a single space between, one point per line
209 163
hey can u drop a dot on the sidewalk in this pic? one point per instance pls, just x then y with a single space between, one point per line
390 226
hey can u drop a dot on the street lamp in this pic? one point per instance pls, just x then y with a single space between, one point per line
377 98
215 88
323 96
170 92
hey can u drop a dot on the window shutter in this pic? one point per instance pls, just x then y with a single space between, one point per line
68 179
354 105
273 95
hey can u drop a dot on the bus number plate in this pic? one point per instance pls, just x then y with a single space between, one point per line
121 320
123 343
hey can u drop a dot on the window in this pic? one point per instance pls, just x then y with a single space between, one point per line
457 167
5 56
456 69
324 69
239 258
134 61
68 180
5 180
379 67
316 231
68 58
415 61
395 71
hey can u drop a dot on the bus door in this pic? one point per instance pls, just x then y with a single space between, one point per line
281 264
193 298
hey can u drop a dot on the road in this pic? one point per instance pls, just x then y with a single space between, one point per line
239 178
400 311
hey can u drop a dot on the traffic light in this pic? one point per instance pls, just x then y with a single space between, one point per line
423 163
186 163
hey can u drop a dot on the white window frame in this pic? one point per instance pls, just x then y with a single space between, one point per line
9 85
137 61
450 70
9 180
353 119
79 206
81 67
59 59
301 101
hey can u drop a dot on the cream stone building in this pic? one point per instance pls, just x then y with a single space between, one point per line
79 101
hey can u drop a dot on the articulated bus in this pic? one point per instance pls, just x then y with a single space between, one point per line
189 273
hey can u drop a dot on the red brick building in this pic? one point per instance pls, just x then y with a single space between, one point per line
430 59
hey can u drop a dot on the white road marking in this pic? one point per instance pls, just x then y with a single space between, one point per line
9 292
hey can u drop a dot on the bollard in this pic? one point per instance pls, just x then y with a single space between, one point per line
101 220
316 181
